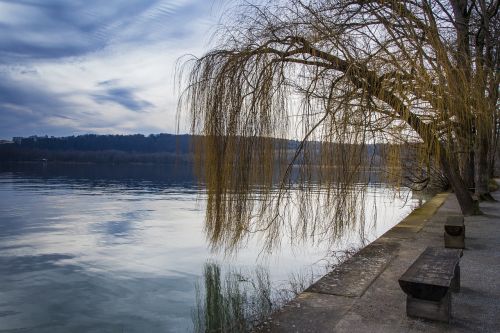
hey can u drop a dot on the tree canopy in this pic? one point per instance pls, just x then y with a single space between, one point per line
348 72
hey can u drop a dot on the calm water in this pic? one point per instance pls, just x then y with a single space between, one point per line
121 249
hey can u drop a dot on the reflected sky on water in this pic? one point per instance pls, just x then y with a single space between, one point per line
94 248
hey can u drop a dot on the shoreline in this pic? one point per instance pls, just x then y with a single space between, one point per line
363 294
353 276
351 279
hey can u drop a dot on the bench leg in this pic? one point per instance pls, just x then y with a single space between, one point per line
454 242
421 308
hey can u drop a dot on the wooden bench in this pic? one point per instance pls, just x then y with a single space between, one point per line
429 281
454 232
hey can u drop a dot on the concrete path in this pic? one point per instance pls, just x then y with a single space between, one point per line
363 294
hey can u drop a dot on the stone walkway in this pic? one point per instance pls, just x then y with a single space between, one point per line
363 294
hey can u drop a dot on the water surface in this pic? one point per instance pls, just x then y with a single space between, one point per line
94 248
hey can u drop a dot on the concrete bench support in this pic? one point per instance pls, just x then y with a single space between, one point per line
429 282
454 232
433 310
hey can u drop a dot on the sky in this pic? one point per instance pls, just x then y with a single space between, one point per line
70 67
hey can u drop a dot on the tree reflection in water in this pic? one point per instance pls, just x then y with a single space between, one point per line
237 301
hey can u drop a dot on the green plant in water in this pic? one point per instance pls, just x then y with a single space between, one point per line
237 302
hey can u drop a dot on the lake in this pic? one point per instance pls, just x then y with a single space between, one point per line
102 248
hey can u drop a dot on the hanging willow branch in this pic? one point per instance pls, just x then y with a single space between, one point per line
338 75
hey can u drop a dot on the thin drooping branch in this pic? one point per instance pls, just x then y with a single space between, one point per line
340 75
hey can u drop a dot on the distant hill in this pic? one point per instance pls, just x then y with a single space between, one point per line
137 143
137 148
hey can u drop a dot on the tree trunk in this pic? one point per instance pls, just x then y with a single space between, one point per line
494 147
485 103
468 170
482 174
464 197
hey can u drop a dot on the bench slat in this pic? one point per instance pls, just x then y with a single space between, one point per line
430 276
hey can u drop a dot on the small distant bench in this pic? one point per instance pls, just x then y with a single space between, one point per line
429 281
454 232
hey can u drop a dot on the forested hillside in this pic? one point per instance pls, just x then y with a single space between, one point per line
154 143
137 148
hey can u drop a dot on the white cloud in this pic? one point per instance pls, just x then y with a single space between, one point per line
137 55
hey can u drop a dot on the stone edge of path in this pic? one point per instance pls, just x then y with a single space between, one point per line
326 301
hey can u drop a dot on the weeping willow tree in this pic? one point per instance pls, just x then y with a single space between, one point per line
337 75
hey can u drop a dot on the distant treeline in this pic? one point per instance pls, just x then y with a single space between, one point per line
137 148
136 143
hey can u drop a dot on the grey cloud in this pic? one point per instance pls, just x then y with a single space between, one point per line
25 108
108 83
20 93
122 96
44 32
60 28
